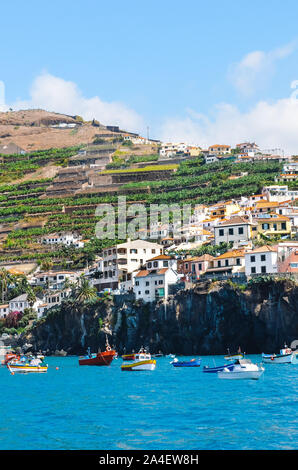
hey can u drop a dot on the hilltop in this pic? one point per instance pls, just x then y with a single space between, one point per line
32 129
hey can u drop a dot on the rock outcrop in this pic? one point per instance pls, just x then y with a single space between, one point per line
205 320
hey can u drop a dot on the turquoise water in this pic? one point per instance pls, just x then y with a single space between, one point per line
169 408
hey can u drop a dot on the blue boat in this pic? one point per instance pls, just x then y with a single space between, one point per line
214 370
191 363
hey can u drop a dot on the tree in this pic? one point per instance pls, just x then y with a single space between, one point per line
85 292
4 278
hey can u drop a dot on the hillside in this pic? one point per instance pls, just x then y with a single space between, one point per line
31 130
58 189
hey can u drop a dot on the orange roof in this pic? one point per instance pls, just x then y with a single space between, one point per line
160 257
231 254
263 249
142 273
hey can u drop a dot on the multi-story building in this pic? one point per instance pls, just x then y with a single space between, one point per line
271 225
219 149
231 262
237 230
261 260
120 261
152 283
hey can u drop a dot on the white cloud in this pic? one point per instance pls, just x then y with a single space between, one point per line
256 68
55 94
270 125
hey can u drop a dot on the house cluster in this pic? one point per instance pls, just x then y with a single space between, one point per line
54 291
170 150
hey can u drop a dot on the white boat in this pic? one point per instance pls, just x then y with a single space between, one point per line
284 357
242 369
147 364
295 357
25 365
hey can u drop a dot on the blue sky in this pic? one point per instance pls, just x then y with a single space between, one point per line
170 64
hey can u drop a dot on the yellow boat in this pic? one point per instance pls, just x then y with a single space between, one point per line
148 364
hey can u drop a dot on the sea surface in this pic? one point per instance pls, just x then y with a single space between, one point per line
103 408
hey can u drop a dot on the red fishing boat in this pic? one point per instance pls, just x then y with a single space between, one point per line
9 356
100 359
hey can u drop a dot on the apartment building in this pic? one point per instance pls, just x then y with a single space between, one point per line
237 230
120 261
261 260
231 262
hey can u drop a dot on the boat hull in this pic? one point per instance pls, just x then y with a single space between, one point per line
254 375
295 358
101 359
26 369
214 370
195 363
140 365
277 358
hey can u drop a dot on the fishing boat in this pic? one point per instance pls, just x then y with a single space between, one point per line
25 365
98 359
295 357
284 357
234 357
242 369
192 363
214 370
141 355
9 356
147 364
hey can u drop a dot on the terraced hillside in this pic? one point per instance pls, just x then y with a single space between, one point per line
27 211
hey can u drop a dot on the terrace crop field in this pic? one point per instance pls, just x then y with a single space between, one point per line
27 212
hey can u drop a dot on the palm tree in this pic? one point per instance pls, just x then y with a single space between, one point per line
31 297
85 292
4 278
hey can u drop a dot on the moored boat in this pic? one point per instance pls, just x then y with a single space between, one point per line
98 359
214 370
25 365
295 357
147 364
9 356
284 357
234 357
141 355
242 369
192 363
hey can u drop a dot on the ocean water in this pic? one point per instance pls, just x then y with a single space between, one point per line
104 408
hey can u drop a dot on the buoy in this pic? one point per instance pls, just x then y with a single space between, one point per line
272 358
57 368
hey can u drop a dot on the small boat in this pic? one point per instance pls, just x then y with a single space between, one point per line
295 357
25 365
284 357
141 355
147 364
9 356
191 363
234 357
242 369
98 359
213 370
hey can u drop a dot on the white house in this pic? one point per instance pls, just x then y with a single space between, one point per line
120 261
262 260
20 303
236 230
4 310
54 278
152 283
63 238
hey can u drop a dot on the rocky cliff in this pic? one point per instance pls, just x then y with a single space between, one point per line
207 319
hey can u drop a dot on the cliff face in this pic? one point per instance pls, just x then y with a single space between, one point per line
205 320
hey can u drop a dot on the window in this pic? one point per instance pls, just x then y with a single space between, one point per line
153 251
253 270
165 264
265 226
240 230
227 262
219 264
231 231
147 292
147 283
284 226
238 261
200 266
221 232
149 265
155 264
252 259
263 257
186 265
263 269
